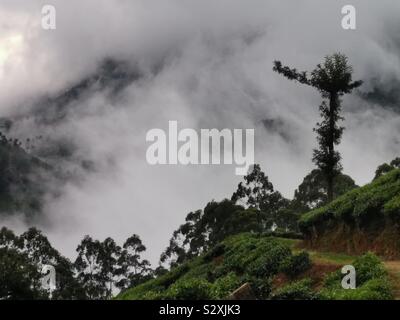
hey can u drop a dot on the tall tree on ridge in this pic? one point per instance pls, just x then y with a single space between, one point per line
332 79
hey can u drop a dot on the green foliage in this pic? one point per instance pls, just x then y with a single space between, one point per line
19 277
375 289
261 287
152 295
172 276
224 286
298 290
256 255
392 207
295 265
217 251
145 291
368 267
190 289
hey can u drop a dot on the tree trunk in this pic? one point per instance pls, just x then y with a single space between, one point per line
330 188
331 148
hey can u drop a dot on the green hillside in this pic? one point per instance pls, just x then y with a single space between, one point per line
263 267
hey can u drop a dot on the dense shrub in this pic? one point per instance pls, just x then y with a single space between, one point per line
172 276
261 287
152 295
295 265
298 290
375 289
368 267
215 252
146 291
257 256
284 234
224 286
190 289
392 208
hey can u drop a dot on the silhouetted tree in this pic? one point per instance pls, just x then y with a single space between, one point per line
257 192
132 268
89 266
108 258
41 252
385 168
104 266
332 79
312 192
19 276
31 251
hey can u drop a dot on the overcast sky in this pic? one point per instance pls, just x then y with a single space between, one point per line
215 70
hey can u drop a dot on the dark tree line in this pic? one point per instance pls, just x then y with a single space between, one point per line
100 269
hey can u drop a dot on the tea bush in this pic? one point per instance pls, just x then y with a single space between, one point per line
296 264
298 290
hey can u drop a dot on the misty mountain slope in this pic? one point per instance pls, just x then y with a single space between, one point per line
23 180
112 77
384 94
47 116
50 157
